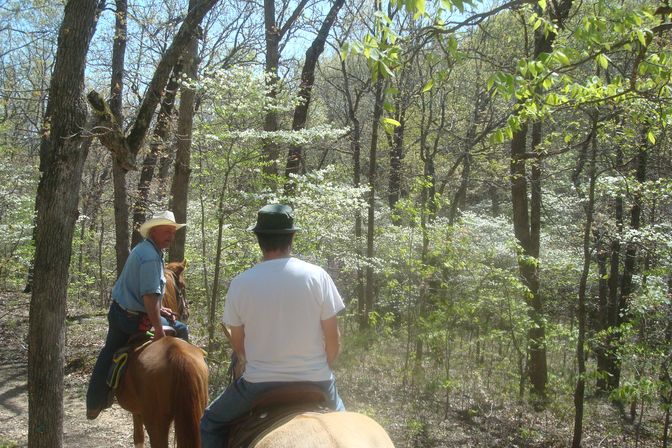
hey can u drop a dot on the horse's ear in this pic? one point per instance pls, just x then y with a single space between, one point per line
184 264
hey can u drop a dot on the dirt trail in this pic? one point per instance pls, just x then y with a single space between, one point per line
113 428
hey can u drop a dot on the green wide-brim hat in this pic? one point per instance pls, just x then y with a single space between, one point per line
275 218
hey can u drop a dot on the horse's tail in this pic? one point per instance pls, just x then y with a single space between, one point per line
190 395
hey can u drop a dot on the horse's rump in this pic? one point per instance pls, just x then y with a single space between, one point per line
167 380
331 430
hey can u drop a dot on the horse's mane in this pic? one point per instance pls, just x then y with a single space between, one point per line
175 294
177 267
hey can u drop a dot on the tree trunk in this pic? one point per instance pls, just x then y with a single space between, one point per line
180 187
115 102
396 156
155 90
609 361
471 140
665 377
121 231
295 161
599 321
118 58
579 390
213 299
213 302
626 287
428 209
527 223
427 216
635 224
157 148
493 192
370 225
61 164
537 334
273 37
127 147
355 144
460 197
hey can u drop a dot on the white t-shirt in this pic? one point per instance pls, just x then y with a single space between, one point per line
281 303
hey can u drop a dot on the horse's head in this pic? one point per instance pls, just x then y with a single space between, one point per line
175 284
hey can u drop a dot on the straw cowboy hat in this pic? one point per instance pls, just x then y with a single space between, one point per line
165 218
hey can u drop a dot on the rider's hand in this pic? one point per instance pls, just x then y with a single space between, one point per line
158 333
168 313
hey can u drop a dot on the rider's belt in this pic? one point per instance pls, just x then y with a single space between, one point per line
131 312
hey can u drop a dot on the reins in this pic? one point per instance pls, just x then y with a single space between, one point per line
180 296
237 365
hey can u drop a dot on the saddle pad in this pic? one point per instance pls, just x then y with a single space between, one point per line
116 370
136 342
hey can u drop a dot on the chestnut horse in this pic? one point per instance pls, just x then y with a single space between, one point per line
166 381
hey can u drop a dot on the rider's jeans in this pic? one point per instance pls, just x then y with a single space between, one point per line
122 324
237 400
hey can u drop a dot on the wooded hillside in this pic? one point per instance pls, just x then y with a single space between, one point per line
489 185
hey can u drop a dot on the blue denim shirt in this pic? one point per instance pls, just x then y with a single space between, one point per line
142 274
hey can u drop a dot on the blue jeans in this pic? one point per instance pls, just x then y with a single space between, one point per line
122 325
237 400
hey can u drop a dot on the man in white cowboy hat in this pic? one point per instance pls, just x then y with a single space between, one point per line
136 303
283 318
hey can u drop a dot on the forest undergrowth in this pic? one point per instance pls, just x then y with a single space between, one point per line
373 378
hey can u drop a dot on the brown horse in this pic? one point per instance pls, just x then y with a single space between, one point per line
330 430
166 381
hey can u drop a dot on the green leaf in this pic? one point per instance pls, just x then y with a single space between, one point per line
509 132
651 137
552 99
428 86
562 57
391 122
537 24
542 4
497 136
386 71
602 60
532 68
419 8
641 37
522 67
452 44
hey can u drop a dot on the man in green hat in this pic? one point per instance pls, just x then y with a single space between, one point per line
282 316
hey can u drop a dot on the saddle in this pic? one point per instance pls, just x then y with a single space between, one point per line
135 342
273 409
